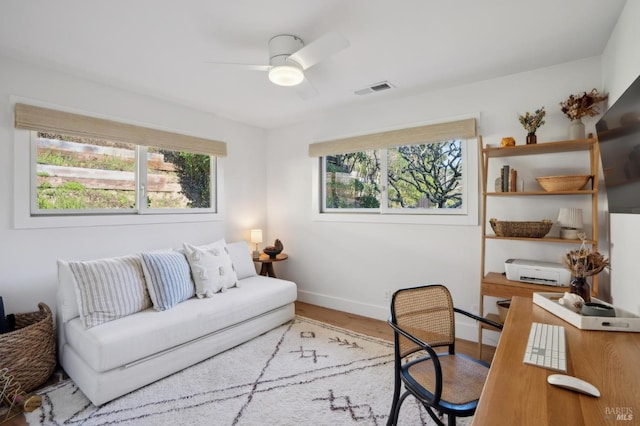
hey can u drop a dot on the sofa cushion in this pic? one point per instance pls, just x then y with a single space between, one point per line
241 258
108 289
168 278
132 338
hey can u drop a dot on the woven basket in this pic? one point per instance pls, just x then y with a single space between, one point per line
29 352
563 183
521 229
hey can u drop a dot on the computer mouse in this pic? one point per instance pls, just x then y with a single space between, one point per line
574 384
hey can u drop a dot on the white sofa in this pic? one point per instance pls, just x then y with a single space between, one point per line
118 356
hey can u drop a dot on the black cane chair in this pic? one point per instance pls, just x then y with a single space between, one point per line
422 319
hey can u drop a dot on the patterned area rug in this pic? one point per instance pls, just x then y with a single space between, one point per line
302 373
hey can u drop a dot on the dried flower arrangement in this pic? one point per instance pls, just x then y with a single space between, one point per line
531 122
583 262
582 104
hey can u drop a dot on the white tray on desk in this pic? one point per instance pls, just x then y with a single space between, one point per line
623 321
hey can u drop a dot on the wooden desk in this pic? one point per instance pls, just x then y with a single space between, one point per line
267 263
518 394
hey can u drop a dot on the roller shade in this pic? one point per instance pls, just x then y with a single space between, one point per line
461 129
40 119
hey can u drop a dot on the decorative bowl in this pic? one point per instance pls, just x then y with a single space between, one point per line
272 253
563 183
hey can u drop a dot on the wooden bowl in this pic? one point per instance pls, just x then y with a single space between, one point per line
563 183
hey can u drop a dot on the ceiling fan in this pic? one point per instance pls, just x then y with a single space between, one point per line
289 57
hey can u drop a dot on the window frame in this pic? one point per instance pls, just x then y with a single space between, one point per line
23 219
384 190
467 215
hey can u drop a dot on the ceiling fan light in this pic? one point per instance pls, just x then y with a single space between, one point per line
286 75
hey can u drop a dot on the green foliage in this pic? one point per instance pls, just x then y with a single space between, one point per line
194 174
427 176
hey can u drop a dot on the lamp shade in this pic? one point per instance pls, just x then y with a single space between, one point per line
570 221
570 218
256 236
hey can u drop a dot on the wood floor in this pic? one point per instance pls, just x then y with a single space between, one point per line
357 323
377 328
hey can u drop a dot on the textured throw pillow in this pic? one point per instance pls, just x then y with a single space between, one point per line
168 278
108 289
211 269
228 274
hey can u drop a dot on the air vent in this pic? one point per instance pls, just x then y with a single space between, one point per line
377 87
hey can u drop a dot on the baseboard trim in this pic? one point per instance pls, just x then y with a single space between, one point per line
465 329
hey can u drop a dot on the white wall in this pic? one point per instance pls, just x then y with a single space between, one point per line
350 266
620 67
28 256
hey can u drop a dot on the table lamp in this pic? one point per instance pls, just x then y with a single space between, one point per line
256 237
570 221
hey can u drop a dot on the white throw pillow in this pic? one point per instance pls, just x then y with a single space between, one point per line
211 269
229 276
242 260
168 278
108 289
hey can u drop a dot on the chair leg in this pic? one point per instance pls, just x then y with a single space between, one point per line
451 420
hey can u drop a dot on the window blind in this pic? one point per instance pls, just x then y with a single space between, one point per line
40 119
461 129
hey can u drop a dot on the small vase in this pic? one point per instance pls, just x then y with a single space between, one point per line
580 287
576 129
531 138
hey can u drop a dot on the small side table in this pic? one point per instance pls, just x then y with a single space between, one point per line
267 263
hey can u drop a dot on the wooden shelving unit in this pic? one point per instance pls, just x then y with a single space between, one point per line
495 284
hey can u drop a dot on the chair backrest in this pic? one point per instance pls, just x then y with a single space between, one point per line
426 313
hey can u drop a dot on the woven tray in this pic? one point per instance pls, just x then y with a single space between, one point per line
521 229
29 352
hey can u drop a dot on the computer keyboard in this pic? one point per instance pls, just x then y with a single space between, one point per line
546 347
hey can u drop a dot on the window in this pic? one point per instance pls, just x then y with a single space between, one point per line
77 175
427 171
425 178
89 171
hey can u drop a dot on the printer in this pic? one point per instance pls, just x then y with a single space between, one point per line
537 272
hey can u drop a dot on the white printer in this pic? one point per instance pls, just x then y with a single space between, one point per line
537 272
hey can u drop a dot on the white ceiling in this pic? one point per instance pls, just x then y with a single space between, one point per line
162 47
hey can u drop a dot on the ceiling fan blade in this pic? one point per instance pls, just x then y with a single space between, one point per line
250 67
314 52
306 90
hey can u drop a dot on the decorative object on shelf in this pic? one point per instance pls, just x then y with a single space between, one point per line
509 180
508 141
256 238
576 129
580 105
570 221
521 229
571 301
531 123
563 183
275 249
583 263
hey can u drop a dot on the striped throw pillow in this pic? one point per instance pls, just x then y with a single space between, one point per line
168 278
108 289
